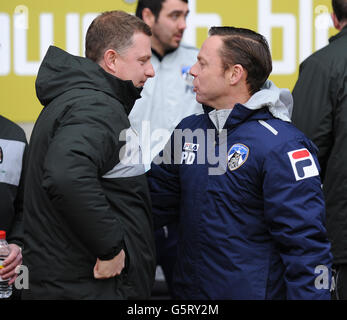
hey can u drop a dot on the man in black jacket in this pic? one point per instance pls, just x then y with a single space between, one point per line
88 226
13 144
320 111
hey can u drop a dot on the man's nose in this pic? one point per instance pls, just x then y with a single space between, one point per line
182 24
150 73
192 70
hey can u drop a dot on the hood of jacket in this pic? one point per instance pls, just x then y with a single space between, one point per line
60 72
278 101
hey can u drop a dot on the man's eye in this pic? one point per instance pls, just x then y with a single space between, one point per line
175 16
143 61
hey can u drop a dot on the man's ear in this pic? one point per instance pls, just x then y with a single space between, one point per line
235 74
148 17
336 21
110 59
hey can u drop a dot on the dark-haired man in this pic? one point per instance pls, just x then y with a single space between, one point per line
166 99
320 111
88 224
252 222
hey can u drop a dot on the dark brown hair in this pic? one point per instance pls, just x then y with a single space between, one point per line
154 5
340 9
247 48
112 30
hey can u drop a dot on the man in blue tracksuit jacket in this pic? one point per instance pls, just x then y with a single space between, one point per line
243 183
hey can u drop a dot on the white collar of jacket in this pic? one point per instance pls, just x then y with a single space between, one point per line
279 101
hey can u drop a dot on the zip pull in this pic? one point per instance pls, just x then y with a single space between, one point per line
166 232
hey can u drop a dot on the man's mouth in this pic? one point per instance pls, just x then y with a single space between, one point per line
178 36
141 84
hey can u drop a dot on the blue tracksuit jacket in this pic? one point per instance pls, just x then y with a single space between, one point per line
250 208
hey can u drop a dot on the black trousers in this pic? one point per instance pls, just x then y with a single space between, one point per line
340 291
166 245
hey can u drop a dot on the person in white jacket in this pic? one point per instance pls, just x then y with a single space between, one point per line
166 99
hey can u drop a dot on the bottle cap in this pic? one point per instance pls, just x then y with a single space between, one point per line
2 234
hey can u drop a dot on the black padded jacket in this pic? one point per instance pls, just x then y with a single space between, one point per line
81 201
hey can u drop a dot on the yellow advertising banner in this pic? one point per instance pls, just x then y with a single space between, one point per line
294 29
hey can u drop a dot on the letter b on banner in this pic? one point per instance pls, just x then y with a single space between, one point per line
287 22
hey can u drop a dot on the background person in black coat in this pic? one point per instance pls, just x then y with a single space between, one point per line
12 153
320 111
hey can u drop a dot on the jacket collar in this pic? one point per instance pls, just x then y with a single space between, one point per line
123 90
342 33
160 57
222 119
242 114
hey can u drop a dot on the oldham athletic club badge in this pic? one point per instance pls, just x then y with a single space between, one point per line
237 156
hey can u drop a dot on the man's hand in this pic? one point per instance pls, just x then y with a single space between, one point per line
105 269
11 262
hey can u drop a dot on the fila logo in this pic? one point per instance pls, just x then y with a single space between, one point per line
303 164
191 147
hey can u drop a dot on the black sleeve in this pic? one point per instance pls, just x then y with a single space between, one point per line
164 184
313 108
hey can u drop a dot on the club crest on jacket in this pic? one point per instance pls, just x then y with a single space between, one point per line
237 156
